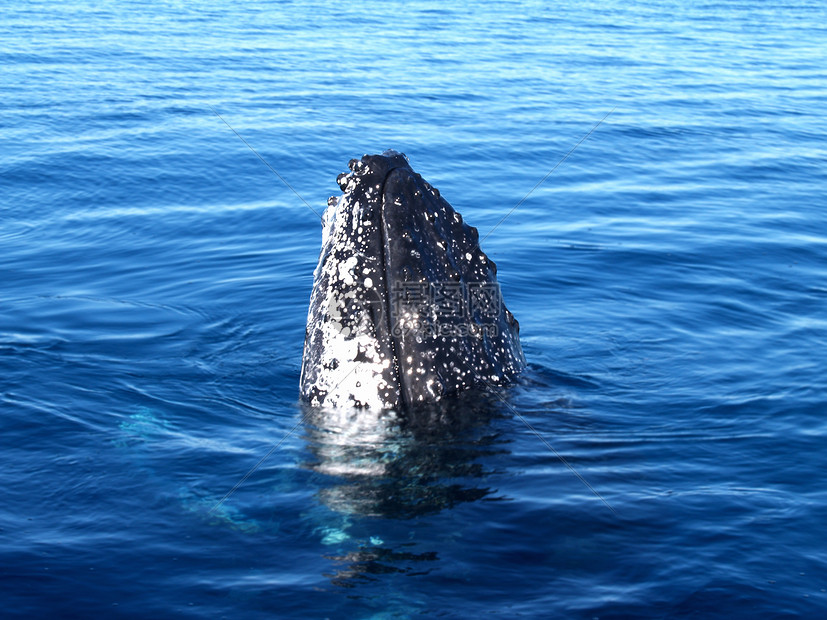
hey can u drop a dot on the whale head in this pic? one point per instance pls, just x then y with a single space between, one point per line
405 308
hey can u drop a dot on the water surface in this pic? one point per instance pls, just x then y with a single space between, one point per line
669 277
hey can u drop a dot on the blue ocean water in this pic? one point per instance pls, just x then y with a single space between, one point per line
664 454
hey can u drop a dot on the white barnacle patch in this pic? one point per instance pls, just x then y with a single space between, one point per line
346 268
346 382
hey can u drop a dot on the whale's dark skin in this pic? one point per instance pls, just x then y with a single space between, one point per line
405 308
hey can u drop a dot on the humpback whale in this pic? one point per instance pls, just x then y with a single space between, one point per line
405 308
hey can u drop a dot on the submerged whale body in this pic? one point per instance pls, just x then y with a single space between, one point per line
405 308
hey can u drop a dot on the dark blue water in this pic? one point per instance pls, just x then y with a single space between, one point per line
670 278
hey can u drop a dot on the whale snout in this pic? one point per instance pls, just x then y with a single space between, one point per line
405 308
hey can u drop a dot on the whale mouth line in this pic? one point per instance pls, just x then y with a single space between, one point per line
387 301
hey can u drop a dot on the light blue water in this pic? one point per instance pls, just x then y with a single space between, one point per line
670 278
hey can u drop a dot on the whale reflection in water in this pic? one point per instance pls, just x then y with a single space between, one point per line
376 464
403 466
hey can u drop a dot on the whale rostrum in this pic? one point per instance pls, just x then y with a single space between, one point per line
405 308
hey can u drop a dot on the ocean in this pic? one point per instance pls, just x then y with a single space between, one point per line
661 168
